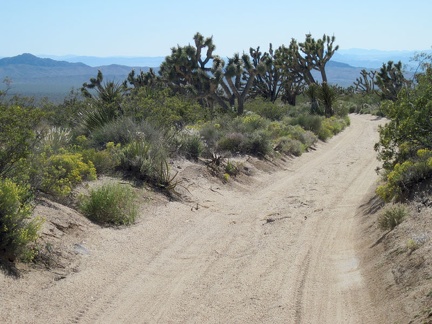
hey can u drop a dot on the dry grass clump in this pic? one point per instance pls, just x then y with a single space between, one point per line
391 217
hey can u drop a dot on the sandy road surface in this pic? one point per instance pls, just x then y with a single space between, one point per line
282 250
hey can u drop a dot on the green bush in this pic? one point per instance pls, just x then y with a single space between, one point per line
121 130
191 146
325 133
17 136
64 171
332 126
404 176
342 109
278 129
112 203
105 161
148 162
391 216
308 122
164 109
405 144
17 229
136 159
267 109
253 122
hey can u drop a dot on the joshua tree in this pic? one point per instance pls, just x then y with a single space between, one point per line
366 82
147 79
297 62
186 70
269 83
235 80
310 55
107 93
390 80
318 52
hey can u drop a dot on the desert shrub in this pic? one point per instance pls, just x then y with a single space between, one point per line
332 126
308 138
148 162
64 171
136 159
342 109
191 146
112 203
17 136
290 146
258 143
231 142
405 143
404 176
278 129
105 161
121 130
210 133
267 109
17 229
325 133
253 122
416 241
163 109
352 107
308 122
391 216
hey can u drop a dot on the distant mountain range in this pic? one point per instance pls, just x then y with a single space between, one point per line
355 57
45 77
373 59
95 61
54 78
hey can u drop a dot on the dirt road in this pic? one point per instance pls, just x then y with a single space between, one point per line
281 249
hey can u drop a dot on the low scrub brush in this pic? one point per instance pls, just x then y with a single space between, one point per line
391 217
112 203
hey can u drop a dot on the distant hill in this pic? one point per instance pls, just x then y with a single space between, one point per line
374 59
95 61
45 77
31 60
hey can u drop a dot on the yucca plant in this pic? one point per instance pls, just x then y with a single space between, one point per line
327 95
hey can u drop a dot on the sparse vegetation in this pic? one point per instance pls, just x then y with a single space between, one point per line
201 107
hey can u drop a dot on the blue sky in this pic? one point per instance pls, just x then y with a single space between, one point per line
150 28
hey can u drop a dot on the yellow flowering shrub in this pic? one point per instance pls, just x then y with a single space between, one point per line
64 171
